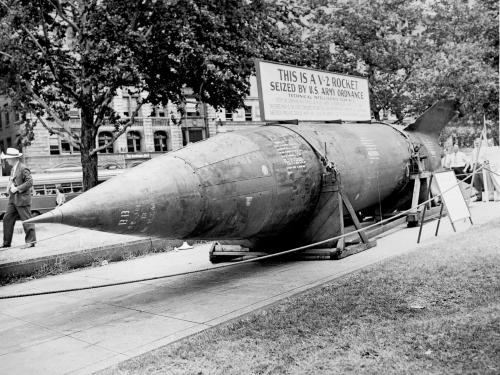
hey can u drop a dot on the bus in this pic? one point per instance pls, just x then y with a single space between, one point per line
44 185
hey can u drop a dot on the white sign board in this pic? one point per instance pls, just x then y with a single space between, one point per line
452 195
289 92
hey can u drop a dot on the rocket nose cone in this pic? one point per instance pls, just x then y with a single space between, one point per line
54 216
159 197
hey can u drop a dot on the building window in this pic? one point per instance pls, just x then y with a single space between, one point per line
160 141
130 106
192 110
65 147
133 141
74 113
191 135
7 119
159 116
103 138
159 111
59 145
54 145
248 113
229 116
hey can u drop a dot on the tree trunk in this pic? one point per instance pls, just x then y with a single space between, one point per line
89 162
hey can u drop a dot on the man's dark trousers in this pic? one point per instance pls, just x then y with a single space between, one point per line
13 213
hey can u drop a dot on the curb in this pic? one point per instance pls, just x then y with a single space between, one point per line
58 263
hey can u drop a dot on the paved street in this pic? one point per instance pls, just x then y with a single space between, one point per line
85 331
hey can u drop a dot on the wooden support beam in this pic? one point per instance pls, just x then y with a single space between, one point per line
341 241
354 217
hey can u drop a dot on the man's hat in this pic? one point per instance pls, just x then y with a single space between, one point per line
11 153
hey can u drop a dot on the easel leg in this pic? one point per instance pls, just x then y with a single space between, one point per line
421 224
439 219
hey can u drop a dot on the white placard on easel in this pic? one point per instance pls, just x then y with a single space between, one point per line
452 197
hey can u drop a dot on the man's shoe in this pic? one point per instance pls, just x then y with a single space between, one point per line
28 245
4 246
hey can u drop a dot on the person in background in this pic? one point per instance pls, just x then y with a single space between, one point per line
476 162
60 197
19 206
457 161
445 156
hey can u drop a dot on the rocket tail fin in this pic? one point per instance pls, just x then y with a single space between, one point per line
436 117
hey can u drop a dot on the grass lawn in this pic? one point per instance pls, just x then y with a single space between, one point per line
434 311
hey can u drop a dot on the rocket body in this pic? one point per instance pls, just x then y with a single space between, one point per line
265 185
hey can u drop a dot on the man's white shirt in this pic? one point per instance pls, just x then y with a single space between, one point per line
457 159
12 174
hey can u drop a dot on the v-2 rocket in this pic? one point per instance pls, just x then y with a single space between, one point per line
264 185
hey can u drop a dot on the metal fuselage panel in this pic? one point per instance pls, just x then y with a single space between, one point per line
372 159
256 184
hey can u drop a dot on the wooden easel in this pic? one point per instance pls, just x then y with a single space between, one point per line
444 199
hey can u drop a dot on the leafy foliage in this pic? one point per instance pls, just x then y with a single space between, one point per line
59 55
413 53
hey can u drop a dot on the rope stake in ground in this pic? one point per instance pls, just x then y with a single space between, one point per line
227 265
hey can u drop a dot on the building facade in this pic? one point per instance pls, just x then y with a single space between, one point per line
156 130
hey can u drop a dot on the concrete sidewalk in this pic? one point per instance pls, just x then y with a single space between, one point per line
85 331
61 247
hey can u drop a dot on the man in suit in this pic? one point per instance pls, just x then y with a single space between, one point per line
19 206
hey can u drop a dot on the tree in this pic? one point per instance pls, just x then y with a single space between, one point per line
57 55
380 40
413 53
463 59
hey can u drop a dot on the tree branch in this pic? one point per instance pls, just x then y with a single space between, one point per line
105 100
71 5
117 134
51 65
135 16
42 102
60 12
6 54
67 136
49 62
32 37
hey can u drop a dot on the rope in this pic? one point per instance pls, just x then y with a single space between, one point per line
274 255
489 170
43 239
